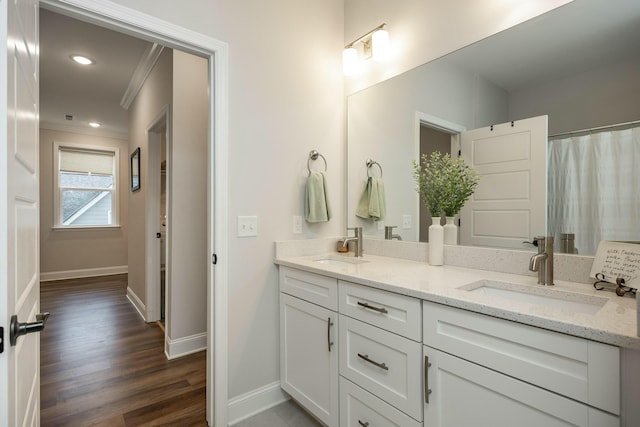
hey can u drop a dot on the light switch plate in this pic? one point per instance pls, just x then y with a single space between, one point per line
380 225
247 226
406 222
297 224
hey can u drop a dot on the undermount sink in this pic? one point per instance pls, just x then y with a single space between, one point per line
339 260
537 295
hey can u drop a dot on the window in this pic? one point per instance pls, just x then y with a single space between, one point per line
86 186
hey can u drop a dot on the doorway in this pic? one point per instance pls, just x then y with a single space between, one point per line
434 134
121 18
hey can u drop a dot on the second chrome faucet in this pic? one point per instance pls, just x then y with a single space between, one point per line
542 262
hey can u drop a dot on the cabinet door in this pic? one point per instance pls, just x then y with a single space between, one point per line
309 356
461 393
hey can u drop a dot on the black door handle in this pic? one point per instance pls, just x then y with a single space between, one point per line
158 235
17 329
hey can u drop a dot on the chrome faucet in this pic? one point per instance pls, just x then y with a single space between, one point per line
357 239
542 262
388 233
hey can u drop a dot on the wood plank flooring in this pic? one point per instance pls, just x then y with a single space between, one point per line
101 365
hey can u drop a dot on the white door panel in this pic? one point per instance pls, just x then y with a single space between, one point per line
509 204
19 213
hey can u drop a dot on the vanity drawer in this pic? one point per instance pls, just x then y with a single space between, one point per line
360 407
578 368
315 288
396 313
383 363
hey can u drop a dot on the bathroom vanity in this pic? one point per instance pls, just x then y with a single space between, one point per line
381 341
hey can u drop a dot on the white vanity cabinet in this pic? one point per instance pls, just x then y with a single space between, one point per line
309 342
484 371
381 349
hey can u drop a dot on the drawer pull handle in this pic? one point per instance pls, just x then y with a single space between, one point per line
373 362
329 325
370 307
427 390
365 424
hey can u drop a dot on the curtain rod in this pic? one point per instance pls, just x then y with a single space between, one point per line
635 122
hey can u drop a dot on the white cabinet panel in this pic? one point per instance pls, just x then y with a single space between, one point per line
359 408
309 357
574 367
466 394
393 312
385 364
311 287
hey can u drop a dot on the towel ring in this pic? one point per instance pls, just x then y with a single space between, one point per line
313 155
371 163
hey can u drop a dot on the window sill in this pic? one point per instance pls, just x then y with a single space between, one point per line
85 227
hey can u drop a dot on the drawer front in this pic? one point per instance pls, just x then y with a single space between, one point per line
359 408
310 287
574 367
384 364
396 313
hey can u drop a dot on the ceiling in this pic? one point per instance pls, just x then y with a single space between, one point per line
88 93
581 35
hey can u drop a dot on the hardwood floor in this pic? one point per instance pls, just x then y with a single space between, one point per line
101 365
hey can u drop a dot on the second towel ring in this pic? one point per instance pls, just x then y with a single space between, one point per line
313 155
370 163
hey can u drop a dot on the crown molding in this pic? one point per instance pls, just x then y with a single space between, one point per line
146 64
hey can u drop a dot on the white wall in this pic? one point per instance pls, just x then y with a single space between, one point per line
187 175
154 95
599 97
65 253
286 98
422 30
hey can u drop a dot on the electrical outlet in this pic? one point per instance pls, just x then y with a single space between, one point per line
380 225
406 222
297 224
247 226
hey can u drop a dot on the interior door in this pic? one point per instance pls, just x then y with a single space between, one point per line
509 205
19 212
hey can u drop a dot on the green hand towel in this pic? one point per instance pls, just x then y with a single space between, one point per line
362 210
316 201
378 203
372 203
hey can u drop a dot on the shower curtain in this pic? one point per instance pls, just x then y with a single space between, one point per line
594 187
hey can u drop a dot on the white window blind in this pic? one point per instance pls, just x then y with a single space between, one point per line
85 161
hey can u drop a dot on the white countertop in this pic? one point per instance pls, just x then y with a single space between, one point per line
615 323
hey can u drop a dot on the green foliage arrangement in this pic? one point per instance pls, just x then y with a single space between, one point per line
444 184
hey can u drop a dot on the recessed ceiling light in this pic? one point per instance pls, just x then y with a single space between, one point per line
95 124
82 60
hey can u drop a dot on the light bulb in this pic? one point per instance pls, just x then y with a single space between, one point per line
380 45
350 61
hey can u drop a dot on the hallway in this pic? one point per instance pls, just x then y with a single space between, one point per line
101 364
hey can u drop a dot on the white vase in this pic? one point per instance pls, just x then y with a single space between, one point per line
436 242
450 231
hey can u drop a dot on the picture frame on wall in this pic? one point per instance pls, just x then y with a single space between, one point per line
135 170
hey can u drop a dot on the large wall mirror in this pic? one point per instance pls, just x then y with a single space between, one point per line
578 64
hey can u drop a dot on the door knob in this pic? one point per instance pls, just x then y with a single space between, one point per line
17 329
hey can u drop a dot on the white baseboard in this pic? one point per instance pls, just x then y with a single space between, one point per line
183 346
85 272
137 303
253 402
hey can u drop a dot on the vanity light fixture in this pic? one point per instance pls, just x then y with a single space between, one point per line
375 44
82 60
